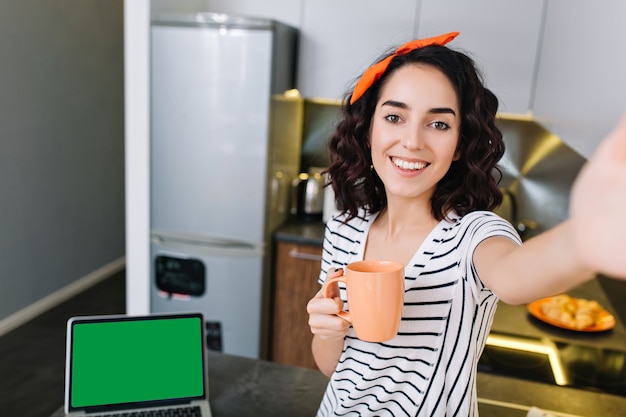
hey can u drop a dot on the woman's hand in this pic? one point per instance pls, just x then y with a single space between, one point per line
323 318
598 204
327 327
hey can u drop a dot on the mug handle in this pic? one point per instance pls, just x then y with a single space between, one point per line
343 314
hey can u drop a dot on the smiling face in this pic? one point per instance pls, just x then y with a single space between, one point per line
414 131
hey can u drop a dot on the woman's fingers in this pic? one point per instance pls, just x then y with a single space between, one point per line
328 326
322 305
323 318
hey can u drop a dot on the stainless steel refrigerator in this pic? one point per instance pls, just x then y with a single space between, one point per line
225 145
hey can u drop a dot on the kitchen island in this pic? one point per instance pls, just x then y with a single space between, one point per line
241 387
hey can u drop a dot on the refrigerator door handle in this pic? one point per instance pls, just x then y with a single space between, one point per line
207 245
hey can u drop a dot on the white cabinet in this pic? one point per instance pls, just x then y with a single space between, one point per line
341 38
501 35
581 82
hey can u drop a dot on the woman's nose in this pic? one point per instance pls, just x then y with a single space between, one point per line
412 139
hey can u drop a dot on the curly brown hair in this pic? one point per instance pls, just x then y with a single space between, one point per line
470 184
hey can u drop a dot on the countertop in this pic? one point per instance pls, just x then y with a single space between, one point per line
517 320
304 233
241 387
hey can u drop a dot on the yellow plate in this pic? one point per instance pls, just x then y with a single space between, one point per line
605 320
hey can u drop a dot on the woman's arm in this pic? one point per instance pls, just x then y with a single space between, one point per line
326 353
592 240
543 266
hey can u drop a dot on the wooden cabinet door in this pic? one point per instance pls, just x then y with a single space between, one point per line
297 269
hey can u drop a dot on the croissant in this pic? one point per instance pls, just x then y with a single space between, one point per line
577 313
587 314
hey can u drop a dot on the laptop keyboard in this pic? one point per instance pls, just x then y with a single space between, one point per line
193 411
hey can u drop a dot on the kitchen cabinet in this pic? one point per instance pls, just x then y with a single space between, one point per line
501 36
297 268
341 38
581 82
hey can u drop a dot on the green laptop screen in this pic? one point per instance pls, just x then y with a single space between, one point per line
128 361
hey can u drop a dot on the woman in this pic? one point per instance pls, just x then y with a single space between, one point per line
414 159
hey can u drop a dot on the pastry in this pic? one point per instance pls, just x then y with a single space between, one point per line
576 313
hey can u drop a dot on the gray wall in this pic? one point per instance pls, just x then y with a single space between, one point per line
61 144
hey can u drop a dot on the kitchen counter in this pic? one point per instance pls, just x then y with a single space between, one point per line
304 233
595 361
517 320
241 387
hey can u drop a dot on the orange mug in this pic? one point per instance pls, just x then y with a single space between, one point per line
375 292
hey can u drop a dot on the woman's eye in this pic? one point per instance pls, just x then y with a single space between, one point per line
440 125
393 118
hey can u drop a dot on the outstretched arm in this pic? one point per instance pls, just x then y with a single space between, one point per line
592 240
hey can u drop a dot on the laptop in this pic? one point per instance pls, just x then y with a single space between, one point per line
118 364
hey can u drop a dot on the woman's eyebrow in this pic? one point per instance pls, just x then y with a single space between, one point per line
394 103
436 110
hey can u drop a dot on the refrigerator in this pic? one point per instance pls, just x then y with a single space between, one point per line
224 147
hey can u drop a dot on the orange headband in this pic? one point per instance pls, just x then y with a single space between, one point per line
374 72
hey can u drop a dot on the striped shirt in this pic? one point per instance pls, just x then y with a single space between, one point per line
429 368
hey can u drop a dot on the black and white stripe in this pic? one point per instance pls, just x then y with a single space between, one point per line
429 368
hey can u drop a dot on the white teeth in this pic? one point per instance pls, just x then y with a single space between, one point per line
408 165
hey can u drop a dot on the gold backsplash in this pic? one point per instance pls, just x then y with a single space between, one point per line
538 172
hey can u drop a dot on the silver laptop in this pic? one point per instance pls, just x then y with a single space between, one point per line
123 364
